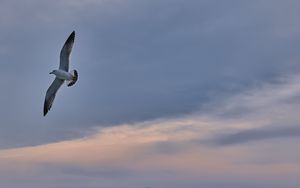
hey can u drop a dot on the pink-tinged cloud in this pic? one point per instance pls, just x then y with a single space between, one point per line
185 146
160 146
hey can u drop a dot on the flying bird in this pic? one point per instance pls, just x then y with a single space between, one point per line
62 74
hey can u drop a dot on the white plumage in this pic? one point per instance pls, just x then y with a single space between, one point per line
62 74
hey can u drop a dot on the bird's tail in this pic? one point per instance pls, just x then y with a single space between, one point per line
75 78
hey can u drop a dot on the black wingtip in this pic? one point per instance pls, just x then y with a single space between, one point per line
45 108
71 37
72 34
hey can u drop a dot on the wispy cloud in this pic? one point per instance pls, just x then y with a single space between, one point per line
181 145
162 84
174 62
245 136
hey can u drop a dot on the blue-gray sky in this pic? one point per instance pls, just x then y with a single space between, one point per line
231 65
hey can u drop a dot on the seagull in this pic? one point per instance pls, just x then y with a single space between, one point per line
62 74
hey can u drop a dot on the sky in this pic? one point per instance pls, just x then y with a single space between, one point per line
171 94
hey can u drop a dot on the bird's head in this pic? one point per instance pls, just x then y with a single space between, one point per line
52 72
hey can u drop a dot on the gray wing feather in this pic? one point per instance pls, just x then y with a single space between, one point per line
50 95
65 52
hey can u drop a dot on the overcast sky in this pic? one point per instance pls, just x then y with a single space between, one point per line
171 94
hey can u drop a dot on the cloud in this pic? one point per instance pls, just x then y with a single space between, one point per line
175 62
149 152
246 136
158 81
180 147
260 121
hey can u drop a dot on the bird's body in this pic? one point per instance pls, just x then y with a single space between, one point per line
62 74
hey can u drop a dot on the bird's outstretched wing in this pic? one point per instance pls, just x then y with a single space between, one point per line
50 95
65 52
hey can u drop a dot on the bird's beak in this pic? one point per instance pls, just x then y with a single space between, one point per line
50 72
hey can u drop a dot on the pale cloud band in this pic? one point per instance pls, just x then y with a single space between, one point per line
183 145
